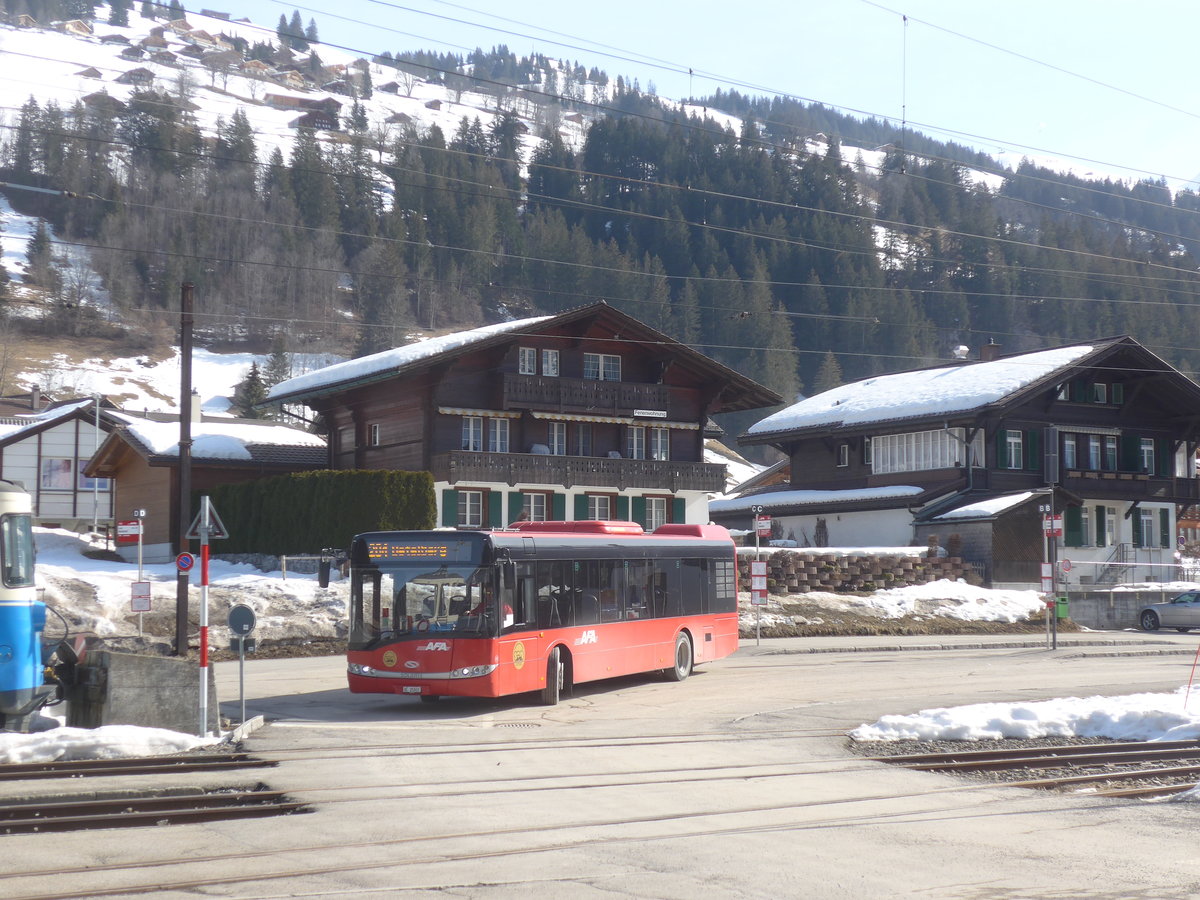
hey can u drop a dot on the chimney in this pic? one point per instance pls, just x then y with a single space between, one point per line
989 352
195 407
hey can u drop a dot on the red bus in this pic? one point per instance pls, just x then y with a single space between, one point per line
539 607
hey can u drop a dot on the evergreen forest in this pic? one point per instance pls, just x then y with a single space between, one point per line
776 248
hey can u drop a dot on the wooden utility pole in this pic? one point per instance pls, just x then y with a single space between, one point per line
185 463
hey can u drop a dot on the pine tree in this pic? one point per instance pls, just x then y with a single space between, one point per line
279 364
310 33
295 30
118 12
249 392
829 375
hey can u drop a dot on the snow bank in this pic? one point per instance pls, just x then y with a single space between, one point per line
1134 717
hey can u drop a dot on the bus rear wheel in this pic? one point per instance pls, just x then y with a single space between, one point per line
683 659
555 676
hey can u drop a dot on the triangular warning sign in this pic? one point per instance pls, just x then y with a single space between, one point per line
216 528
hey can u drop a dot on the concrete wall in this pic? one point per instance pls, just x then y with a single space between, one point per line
1111 610
130 689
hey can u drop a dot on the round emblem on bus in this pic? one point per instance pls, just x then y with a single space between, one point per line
389 658
518 655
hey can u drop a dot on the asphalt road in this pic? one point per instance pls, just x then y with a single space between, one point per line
735 783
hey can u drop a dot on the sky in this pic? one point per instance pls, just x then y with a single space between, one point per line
1086 79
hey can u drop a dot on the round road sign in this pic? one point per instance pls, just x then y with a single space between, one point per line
184 562
241 619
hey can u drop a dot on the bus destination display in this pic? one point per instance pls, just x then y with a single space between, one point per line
389 550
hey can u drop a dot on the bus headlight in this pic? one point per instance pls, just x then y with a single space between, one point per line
472 671
356 669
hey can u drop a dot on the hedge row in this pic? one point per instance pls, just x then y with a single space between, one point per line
308 511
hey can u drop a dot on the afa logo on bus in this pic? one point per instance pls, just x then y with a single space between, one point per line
588 637
435 645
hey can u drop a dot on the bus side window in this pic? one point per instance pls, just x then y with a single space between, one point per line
692 587
637 590
666 587
553 595
524 611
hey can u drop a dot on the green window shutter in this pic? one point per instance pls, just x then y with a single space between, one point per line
1137 527
678 512
1001 448
449 507
639 510
623 509
580 507
1131 453
1073 526
516 503
1033 451
1118 393
1162 456
1099 526
558 503
1079 390
495 509
1164 528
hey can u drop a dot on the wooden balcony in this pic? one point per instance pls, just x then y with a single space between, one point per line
568 471
582 395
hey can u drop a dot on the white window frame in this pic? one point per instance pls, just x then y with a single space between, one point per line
921 451
843 455
1149 538
635 442
599 507
57 473
658 512
1014 448
1099 392
534 506
1085 526
498 436
1070 452
550 366
472 433
373 434
1095 453
601 367
660 442
1147 455
867 457
470 509
1112 453
583 439
527 361
556 438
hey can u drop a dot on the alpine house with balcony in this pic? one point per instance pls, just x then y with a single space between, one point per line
588 414
1105 433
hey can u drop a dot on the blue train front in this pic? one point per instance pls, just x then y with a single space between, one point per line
22 680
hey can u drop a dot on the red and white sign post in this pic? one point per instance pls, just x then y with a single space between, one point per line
206 525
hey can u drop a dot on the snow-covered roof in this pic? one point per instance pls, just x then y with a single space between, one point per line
217 440
781 499
925 392
396 358
985 509
31 421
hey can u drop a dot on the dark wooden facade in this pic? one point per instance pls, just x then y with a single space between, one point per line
412 417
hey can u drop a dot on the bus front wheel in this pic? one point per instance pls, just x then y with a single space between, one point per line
683 659
555 674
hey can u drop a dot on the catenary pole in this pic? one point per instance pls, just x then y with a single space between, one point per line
185 463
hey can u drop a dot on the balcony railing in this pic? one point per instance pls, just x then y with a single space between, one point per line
568 471
582 395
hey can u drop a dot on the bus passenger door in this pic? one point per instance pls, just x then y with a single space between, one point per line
518 649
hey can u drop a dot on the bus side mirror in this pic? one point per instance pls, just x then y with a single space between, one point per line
508 574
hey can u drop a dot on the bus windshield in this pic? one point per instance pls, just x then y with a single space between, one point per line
397 602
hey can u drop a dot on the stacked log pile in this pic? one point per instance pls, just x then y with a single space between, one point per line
793 572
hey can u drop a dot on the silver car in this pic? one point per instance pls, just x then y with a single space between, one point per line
1180 613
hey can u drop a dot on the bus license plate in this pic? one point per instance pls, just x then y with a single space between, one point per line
412 689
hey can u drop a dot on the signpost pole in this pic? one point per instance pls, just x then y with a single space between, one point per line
204 529
138 513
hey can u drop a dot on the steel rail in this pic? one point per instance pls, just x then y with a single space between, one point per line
129 766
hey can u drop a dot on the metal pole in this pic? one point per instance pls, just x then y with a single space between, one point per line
185 462
96 481
757 606
141 528
242 673
205 521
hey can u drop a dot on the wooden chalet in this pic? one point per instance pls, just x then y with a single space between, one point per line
1105 434
140 77
588 414
141 457
90 72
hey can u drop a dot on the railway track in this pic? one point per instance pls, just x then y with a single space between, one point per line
1137 769
145 765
